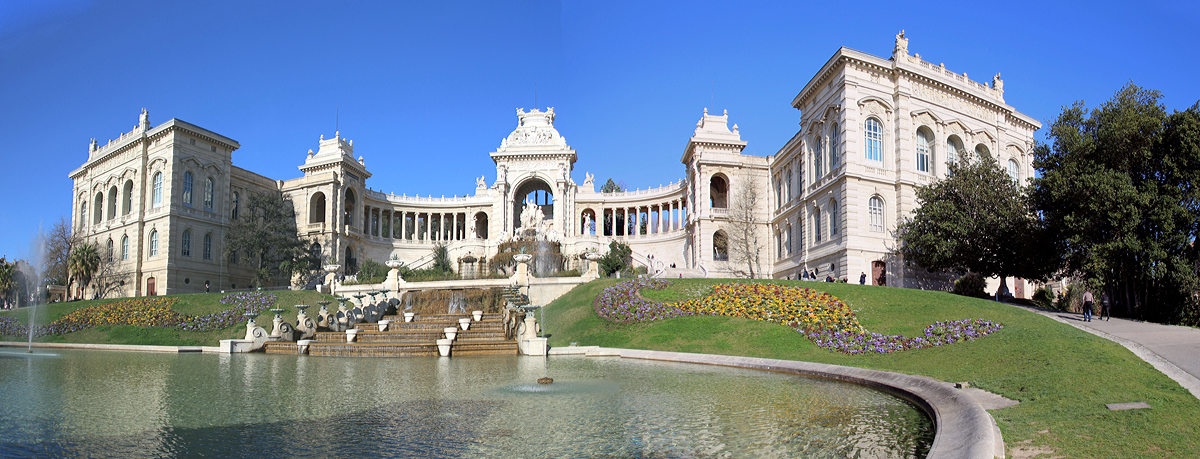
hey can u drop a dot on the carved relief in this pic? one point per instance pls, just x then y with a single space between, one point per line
945 99
874 107
924 119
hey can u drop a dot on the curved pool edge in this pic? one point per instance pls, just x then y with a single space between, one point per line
963 429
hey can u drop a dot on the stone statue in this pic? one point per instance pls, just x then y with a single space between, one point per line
471 230
481 182
588 179
997 83
901 45
587 224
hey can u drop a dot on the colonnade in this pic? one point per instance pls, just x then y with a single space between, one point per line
415 226
636 221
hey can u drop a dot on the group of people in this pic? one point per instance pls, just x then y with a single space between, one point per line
1089 302
811 275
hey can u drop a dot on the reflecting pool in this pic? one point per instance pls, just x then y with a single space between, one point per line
121 404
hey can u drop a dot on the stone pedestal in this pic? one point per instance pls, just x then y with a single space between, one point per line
593 271
533 346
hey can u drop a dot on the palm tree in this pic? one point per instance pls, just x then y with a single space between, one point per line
82 264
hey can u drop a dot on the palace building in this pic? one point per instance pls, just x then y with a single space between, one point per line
160 200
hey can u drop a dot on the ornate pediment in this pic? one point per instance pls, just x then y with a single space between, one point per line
535 128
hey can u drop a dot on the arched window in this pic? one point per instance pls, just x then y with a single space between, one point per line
234 213
778 245
186 243
124 247
787 233
208 246
834 156
112 202
83 205
98 209
110 252
953 149
818 155
778 191
816 224
156 195
187 189
208 194
873 139
796 238
981 151
720 246
153 243
349 210
718 190
833 219
924 150
316 208
1014 171
787 183
875 206
127 197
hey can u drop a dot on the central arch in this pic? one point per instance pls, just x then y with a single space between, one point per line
534 191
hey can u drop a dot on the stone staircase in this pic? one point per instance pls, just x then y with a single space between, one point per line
404 339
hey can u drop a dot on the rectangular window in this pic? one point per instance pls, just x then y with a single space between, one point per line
207 246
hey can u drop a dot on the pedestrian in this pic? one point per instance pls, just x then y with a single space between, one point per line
205 286
1088 301
862 278
1104 312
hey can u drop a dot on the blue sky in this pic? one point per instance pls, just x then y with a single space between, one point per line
427 89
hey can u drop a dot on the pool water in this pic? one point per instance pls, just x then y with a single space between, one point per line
121 404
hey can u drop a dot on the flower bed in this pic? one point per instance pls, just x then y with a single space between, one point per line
239 303
147 312
823 318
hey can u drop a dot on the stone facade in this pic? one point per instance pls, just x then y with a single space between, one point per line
872 130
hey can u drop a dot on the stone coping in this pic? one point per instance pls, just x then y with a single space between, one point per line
963 429
113 347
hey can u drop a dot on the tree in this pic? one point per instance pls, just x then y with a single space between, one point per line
8 281
1120 194
976 220
611 187
266 233
59 243
82 264
619 257
744 224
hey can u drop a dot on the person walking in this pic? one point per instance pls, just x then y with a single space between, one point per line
862 279
1104 312
1088 301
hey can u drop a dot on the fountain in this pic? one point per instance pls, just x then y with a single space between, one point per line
323 316
304 324
343 319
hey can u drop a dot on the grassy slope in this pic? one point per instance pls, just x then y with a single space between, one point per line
1062 376
192 304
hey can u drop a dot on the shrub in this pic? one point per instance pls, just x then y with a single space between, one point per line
971 284
1043 298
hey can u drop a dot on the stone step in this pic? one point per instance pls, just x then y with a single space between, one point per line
372 350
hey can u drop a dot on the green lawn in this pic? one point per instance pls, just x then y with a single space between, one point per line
195 304
1062 376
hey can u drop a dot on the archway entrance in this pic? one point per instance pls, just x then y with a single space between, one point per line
533 192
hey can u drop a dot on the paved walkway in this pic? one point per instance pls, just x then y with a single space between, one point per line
1172 349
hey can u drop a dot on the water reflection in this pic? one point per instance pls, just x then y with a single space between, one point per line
111 404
